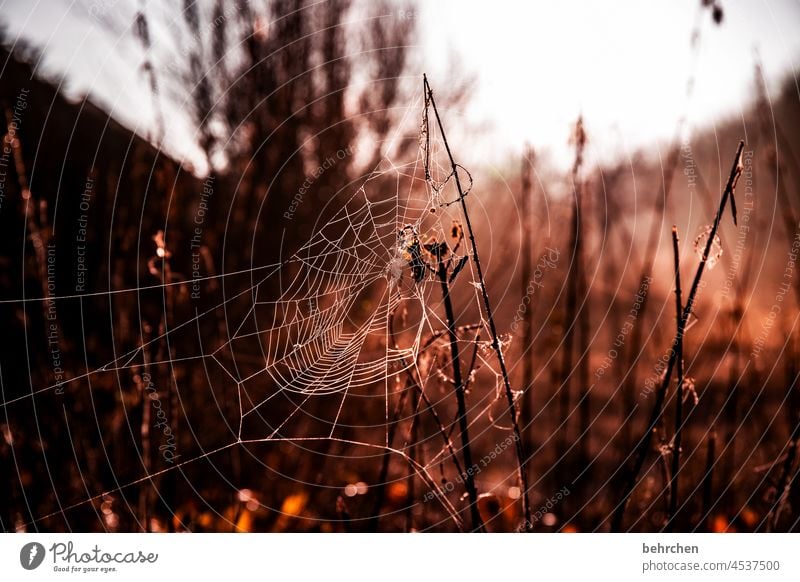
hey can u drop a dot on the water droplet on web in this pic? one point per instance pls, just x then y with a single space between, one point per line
700 243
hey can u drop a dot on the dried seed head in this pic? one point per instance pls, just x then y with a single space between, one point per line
690 390
701 242
578 138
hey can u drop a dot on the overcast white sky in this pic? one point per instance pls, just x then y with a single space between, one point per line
624 64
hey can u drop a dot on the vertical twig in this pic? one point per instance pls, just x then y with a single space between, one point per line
142 32
165 355
412 454
785 480
790 222
708 477
469 468
573 317
584 345
144 431
676 442
380 489
635 348
416 384
643 446
565 376
526 410
521 455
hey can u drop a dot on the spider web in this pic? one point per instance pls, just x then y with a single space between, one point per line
330 333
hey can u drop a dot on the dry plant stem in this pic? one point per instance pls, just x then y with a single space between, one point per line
785 480
442 431
676 443
643 446
570 310
38 231
634 349
165 355
730 407
565 376
416 386
526 411
473 360
766 127
143 35
384 472
412 453
738 335
632 353
778 144
584 348
521 455
576 318
466 448
790 222
663 462
708 477
144 429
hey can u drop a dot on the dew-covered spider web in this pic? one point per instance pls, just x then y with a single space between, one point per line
346 322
